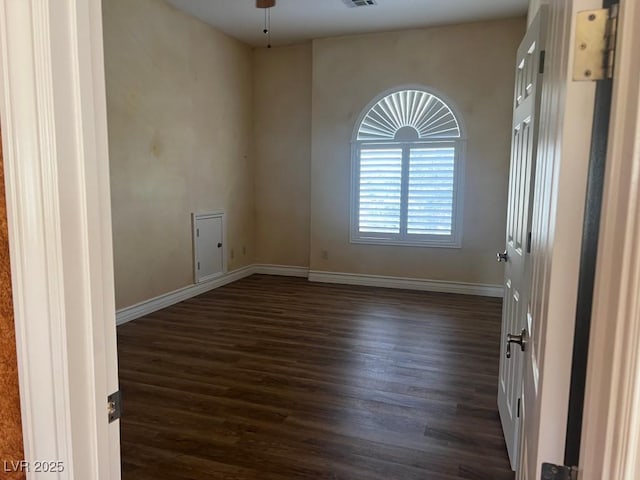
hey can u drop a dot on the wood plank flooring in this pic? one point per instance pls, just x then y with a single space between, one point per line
278 378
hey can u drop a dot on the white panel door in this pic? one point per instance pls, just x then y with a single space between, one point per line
209 256
515 326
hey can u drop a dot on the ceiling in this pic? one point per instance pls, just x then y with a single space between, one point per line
295 21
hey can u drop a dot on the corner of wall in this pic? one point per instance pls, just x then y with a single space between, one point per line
282 87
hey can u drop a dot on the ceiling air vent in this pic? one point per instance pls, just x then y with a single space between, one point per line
359 3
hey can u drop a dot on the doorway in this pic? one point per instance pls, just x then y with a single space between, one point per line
87 17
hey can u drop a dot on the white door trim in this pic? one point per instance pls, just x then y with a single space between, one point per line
53 110
561 181
611 428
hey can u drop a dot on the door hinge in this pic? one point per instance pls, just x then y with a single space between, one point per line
529 242
518 408
114 406
595 44
197 232
543 55
198 265
558 472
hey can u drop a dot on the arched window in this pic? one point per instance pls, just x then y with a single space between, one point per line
407 172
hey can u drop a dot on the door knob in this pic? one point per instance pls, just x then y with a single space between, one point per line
219 245
519 339
502 257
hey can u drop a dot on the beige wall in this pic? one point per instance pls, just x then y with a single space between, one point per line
472 64
179 98
282 136
198 122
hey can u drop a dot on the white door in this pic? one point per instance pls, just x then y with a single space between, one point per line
208 243
515 328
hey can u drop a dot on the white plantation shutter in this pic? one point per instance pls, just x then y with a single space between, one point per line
431 184
427 114
405 172
380 190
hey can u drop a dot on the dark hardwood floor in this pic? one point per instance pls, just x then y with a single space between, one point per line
279 378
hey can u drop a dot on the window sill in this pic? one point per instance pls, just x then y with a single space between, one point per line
453 244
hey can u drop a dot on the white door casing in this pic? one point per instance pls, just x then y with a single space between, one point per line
566 117
515 317
611 426
53 112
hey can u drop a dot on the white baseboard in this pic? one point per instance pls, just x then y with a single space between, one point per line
485 290
163 301
281 270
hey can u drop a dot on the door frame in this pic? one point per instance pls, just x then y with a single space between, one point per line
588 256
611 425
563 153
610 435
51 127
53 113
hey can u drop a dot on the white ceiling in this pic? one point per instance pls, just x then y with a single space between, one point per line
299 20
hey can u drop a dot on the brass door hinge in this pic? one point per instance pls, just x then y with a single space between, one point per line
595 44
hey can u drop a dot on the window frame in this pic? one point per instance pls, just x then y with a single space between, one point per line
403 238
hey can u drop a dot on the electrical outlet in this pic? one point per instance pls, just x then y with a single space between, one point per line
324 254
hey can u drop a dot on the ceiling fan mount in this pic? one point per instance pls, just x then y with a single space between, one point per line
265 3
